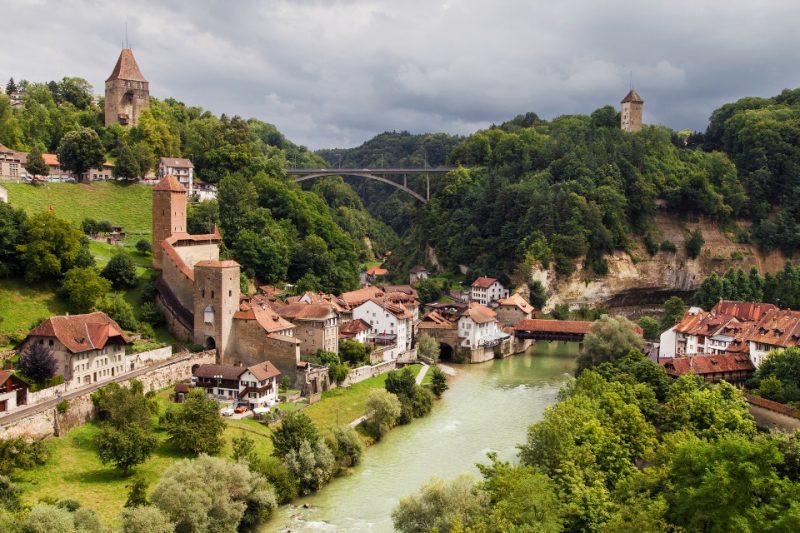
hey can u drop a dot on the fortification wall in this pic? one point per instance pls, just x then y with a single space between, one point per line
192 254
179 283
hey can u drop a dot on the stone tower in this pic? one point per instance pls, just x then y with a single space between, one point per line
631 112
169 214
127 92
216 299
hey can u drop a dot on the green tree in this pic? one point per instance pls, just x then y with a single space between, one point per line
12 234
148 518
121 271
674 308
347 447
694 243
125 448
83 287
312 465
50 246
202 217
293 430
115 306
196 427
382 411
440 506
79 151
127 164
143 246
137 493
428 347
45 518
354 352
35 164
212 494
37 363
438 382
538 294
609 339
650 327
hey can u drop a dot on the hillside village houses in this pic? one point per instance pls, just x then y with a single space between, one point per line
486 290
13 391
513 309
468 332
12 168
417 274
88 348
255 386
181 168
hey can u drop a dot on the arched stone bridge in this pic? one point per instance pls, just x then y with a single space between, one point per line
377 174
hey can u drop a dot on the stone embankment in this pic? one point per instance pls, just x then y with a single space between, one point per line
44 419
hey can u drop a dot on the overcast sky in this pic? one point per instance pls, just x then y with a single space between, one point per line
335 73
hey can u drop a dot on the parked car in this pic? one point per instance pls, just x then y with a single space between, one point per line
228 411
240 409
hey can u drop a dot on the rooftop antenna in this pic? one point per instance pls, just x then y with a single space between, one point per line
631 79
127 42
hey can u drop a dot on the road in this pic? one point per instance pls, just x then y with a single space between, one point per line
19 414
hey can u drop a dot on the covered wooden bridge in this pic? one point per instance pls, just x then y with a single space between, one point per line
552 330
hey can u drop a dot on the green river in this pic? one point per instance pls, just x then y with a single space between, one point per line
488 408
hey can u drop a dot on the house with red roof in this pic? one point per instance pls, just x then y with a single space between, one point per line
13 391
254 386
391 324
88 348
469 332
486 290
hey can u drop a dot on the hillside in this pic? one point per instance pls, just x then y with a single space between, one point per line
124 205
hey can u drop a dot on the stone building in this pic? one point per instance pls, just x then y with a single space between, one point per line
317 326
88 348
513 309
631 112
127 92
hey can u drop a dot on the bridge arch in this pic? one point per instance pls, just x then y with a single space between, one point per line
366 175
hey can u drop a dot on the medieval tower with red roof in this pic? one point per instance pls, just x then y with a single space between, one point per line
631 112
127 92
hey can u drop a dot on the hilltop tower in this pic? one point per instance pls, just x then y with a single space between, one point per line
216 300
169 214
631 112
127 92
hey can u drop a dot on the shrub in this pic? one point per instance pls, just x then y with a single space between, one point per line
294 429
17 453
121 271
115 306
62 406
651 244
560 312
438 382
151 313
668 246
694 243
37 363
347 447
148 518
383 410
276 473
650 327
143 246
312 465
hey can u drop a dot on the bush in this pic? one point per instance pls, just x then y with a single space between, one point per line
694 244
151 313
62 406
150 519
17 453
115 306
312 465
438 382
383 410
37 363
650 327
354 352
347 447
560 312
121 271
83 287
294 429
651 244
276 473
196 426
143 246
668 246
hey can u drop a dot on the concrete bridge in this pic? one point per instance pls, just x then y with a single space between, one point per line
376 174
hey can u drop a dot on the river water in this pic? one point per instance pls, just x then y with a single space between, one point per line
488 408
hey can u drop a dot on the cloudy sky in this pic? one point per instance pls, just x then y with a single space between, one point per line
335 73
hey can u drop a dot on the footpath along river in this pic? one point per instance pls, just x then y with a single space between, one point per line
488 408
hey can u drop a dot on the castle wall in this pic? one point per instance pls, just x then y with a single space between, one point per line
193 254
216 286
249 345
181 285
508 315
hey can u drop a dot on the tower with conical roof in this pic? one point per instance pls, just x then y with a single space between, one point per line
127 92
169 214
631 112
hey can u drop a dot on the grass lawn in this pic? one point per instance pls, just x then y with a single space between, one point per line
22 304
339 407
124 205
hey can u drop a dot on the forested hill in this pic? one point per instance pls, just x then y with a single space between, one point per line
576 188
278 231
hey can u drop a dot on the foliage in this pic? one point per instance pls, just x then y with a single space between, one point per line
382 411
80 150
151 313
37 363
609 339
137 493
121 271
196 426
431 289
143 246
35 164
438 382
62 406
778 376
538 296
49 246
211 494
46 518
277 474
674 308
12 234
127 166
560 312
295 428
354 352
115 306
347 447
146 518
9 494
244 450
694 244
83 287
312 465
428 347
440 506
337 371
126 437
650 327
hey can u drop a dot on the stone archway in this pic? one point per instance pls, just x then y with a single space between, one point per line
446 353
211 344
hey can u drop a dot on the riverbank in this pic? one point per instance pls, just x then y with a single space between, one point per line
487 408
75 471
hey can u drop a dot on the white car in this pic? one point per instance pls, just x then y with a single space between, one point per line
228 411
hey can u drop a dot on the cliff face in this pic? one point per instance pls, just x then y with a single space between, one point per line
641 279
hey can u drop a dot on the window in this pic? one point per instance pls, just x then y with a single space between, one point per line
212 295
50 342
208 315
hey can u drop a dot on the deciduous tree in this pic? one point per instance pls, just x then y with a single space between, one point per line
79 151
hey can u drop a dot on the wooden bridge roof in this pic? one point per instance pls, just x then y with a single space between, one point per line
576 327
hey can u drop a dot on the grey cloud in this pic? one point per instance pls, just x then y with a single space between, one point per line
334 73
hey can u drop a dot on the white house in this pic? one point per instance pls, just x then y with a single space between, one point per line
417 274
486 290
478 327
254 386
390 323
13 391
181 168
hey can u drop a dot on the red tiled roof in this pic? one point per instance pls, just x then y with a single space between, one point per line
377 271
51 160
266 317
483 282
126 68
777 328
80 333
516 300
435 320
5 375
479 313
632 96
706 364
302 311
227 372
358 297
264 370
742 310
351 328
554 326
169 183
